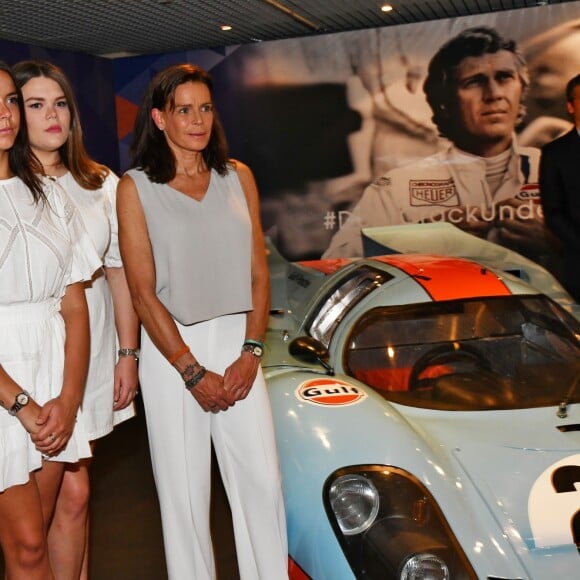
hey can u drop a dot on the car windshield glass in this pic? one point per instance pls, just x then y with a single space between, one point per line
341 299
487 353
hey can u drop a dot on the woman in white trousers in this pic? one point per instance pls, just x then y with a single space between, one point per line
194 254
243 438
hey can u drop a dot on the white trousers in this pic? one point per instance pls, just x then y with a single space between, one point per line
180 435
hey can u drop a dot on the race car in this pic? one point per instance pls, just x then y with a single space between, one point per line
427 414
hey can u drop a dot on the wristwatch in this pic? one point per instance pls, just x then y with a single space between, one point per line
22 399
254 349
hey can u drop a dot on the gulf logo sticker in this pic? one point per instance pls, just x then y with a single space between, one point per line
328 392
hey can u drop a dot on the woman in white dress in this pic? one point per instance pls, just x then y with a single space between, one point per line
45 254
55 137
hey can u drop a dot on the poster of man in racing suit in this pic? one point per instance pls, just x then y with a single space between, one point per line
484 182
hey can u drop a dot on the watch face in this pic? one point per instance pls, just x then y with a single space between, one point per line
254 349
22 398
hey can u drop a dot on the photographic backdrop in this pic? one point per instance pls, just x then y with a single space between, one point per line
319 118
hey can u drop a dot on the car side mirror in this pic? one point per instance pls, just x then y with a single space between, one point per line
311 350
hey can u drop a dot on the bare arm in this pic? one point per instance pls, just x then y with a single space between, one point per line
258 317
58 415
239 377
75 314
127 325
140 271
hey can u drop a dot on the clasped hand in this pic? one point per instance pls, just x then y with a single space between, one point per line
50 426
215 393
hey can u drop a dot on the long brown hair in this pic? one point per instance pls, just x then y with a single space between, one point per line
23 163
86 172
150 151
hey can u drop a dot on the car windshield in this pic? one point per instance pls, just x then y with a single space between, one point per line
487 353
342 298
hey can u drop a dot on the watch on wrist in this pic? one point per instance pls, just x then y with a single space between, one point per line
132 352
254 349
21 400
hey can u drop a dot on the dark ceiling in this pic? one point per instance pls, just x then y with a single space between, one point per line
130 27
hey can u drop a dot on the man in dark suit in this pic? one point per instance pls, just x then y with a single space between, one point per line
560 191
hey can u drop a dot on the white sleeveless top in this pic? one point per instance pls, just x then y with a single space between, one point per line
202 249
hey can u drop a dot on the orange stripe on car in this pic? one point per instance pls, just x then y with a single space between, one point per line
446 278
329 266
295 572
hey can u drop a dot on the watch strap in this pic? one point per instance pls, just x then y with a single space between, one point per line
19 403
254 349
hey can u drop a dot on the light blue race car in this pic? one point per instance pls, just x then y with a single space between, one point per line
427 412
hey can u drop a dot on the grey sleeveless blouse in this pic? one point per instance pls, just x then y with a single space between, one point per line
202 249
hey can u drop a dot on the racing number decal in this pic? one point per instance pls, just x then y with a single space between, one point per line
554 505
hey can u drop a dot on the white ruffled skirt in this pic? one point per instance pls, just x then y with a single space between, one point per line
32 353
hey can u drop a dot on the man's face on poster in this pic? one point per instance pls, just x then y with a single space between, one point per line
488 96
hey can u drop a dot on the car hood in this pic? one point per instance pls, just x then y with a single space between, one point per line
525 465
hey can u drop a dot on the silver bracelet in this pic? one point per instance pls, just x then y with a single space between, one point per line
132 352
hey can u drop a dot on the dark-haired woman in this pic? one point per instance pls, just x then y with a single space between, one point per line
55 136
193 249
44 342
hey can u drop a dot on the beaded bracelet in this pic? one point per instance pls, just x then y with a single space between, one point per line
190 383
254 342
189 371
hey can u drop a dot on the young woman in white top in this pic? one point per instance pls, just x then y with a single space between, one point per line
45 255
55 137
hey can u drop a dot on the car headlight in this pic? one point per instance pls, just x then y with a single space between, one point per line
424 566
389 526
355 502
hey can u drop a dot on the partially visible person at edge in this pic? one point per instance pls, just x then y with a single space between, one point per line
44 342
55 136
192 245
560 189
484 183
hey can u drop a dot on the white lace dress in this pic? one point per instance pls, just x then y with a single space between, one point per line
97 209
43 248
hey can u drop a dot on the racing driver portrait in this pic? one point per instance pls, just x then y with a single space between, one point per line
484 182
